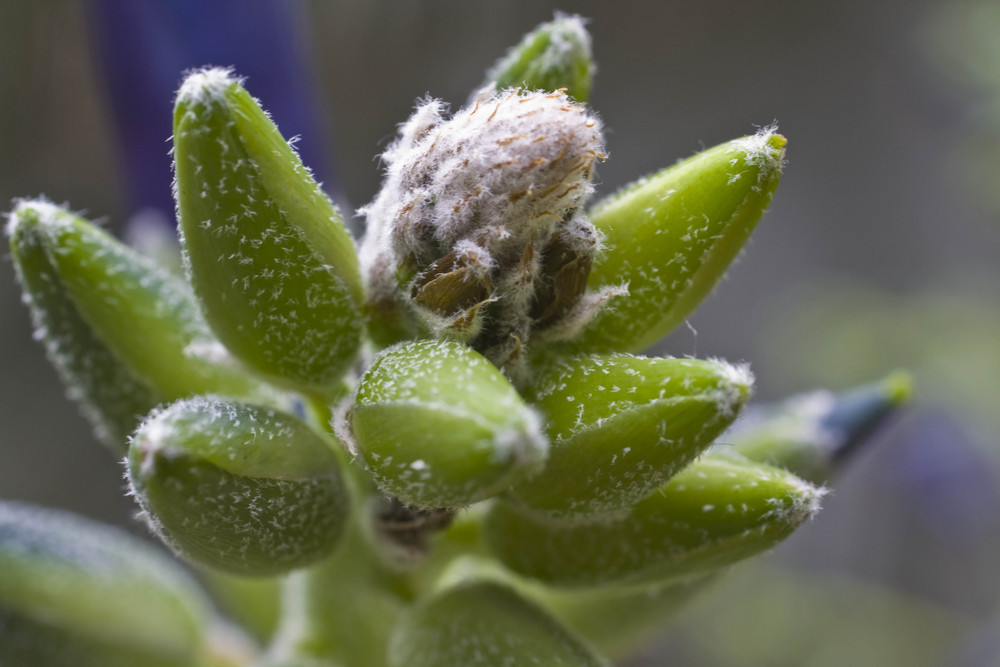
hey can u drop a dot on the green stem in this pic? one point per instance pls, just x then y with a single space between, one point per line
341 611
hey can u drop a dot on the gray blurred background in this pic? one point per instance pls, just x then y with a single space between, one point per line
880 251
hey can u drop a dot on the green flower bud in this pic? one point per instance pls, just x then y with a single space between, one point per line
240 488
554 55
671 236
482 624
123 334
73 592
269 257
617 622
438 425
715 512
812 435
620 426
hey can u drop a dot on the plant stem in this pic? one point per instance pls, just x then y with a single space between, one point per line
341 611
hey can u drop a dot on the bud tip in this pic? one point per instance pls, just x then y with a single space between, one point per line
526 445
207 85
801 501
808 503
738 383
898 387
765 150
42 209
148 441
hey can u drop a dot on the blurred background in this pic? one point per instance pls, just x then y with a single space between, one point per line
880 250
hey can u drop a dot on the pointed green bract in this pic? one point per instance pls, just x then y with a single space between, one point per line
813 434
438 425
554 55
621 425
483 624
715 512
618 622
74 592
670 238
237 487
111 398
145 315
269 257
615 621
123 334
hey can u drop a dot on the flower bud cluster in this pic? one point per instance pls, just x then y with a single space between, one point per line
264 439
479 230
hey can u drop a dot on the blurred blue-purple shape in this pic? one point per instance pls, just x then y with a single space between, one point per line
948 478
145 47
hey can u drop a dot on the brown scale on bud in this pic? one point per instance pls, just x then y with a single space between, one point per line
478 232
407 530
566 266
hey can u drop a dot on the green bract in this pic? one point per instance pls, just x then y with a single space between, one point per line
617 622
482 624
554 55
73 592
621 425
671 236
437 425
269 257
812 434
715 512
124 334
241 488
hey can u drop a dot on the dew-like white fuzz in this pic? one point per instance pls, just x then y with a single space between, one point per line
207 86
515 161
765 149
45 211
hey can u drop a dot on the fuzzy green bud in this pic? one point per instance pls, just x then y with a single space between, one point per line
671 236
482 624
715 512
76 593
615 621
269 257
812 435
554 55
124 334
621 425
438 425
618 622
240 488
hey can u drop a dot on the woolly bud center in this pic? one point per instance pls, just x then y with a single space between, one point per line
478 231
